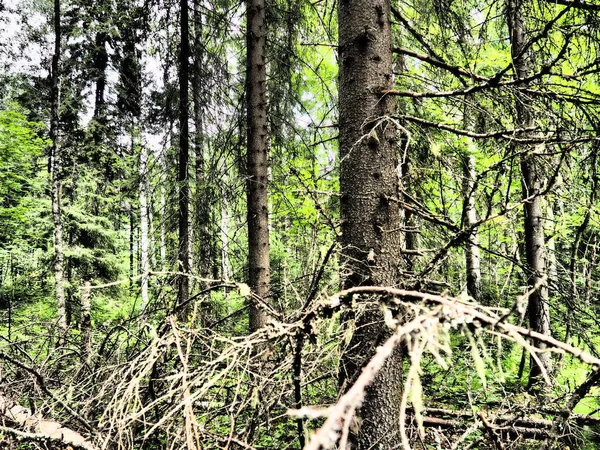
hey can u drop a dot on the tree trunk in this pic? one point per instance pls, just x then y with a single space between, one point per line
551 244
371 239
151 229
472 256
100 66
86 321
55 167
257 168
131 247
411 238
202 190
144 247
531 181
185 257
225 271
163 225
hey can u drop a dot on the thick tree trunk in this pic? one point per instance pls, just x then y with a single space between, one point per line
55 167
371 239
185 257
531 181
258 149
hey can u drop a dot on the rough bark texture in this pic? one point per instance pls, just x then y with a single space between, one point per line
185 256
258 149
55 167
370 215
531 181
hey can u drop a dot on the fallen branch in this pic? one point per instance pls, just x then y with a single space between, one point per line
42 430
438 313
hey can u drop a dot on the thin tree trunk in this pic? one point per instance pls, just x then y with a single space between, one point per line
531 180
55 165
551 245
472 255
590 270
151 229
224 227
184 257
258 149
144 247
100 66
202 189
131 247
86 321
163 226
370 217
410 221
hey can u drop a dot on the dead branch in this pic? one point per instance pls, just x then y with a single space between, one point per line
443 314
41 430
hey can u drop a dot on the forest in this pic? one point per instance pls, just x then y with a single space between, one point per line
299 224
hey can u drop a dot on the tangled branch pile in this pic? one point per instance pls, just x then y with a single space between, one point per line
174 385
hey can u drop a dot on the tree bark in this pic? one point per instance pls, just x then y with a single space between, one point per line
202 189
257 165
531 181
185 257
163 224
131 215
55 167
100 66
551 244
371 239
86 321
144 247
472 256
224 269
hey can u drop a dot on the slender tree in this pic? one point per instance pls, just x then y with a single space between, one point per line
257 166
202 216
143 198
184 255
371 238
55 167
472 255
100 61
531 181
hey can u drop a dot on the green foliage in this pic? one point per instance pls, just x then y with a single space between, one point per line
461 47
20 151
